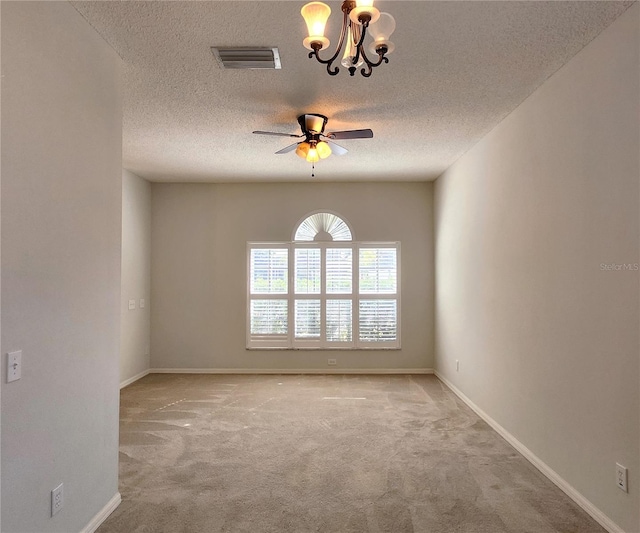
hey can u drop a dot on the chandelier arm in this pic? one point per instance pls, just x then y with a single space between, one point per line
329 62
370 64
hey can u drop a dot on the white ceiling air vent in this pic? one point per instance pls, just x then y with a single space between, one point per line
247 57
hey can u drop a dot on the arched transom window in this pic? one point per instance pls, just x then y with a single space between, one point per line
323 290
323 227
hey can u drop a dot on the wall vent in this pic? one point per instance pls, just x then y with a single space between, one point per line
247 57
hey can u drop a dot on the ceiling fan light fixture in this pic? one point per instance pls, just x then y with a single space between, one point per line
303 149
312 155
317 143
315 15
323 149
358 16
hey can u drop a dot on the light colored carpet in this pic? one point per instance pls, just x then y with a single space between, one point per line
297 454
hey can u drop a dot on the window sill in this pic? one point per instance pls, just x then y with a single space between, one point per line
322 349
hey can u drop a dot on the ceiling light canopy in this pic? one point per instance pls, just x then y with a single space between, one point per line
358 16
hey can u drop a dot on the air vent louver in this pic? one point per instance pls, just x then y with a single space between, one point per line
245 57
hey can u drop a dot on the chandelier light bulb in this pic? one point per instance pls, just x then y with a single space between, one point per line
381 31
315 15
364 11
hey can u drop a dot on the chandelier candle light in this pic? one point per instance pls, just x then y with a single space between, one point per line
359 16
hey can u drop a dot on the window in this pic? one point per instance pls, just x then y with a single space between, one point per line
323 290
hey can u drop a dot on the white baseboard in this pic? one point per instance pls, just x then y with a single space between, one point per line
134 378
560 482
291 371
102 515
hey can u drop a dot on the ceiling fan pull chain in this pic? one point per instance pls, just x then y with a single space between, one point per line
313 168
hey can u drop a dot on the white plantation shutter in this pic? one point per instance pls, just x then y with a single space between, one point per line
321 223
339 322
339 270
378 321
378 272
268 309
307 319
378 287
307 271
269 317
269 271
323 294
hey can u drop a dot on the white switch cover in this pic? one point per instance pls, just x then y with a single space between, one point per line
132 305
621 477
14 366
57 499
141 303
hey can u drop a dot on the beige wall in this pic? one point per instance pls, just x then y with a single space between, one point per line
199 236
546 337
61 197
135 338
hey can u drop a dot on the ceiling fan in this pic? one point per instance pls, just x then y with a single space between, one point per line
317 144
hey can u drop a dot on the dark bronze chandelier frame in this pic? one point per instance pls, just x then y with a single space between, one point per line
364 19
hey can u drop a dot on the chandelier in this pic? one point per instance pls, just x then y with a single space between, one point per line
358 17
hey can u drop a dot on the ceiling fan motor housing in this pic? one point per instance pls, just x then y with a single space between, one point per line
312 123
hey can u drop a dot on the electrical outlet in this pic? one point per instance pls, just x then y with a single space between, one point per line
621 477
132 305
57 499
457 366
142 303
332 362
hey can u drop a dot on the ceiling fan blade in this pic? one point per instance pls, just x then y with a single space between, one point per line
277 134
288 149
336 149
351 134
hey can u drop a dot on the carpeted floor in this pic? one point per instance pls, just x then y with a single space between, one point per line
297 454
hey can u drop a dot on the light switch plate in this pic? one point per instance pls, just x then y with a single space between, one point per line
14 366
621 477
57 499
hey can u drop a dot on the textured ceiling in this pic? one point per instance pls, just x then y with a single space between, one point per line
458 68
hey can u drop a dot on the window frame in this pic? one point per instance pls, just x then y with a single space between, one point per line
289 341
